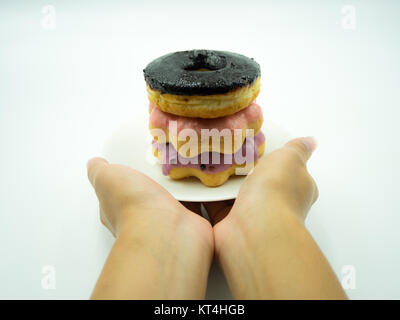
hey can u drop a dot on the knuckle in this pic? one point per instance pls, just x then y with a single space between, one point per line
292 158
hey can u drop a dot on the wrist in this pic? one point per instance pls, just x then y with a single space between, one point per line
244 257
172 249
166 268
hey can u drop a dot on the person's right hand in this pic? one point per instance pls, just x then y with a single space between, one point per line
280 179
261 242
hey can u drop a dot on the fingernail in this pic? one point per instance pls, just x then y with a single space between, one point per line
88 163
310 143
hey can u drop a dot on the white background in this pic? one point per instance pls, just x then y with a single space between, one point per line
64 90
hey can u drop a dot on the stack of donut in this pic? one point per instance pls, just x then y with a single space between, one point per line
198 90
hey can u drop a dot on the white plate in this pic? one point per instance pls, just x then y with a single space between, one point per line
131 145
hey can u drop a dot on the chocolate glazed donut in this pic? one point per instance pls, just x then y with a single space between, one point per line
202 83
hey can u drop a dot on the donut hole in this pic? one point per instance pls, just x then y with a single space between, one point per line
204 61
201 69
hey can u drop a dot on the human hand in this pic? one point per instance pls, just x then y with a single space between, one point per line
261 242
163 250
279 182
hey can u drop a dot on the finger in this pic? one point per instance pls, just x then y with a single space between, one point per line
94 166
303 146
192 206
218 210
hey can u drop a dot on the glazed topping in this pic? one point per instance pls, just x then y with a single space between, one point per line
200 72
210 162
238 120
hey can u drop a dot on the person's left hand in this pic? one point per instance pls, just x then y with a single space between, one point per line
173 240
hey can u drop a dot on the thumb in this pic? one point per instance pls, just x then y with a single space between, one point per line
304 147
94 168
